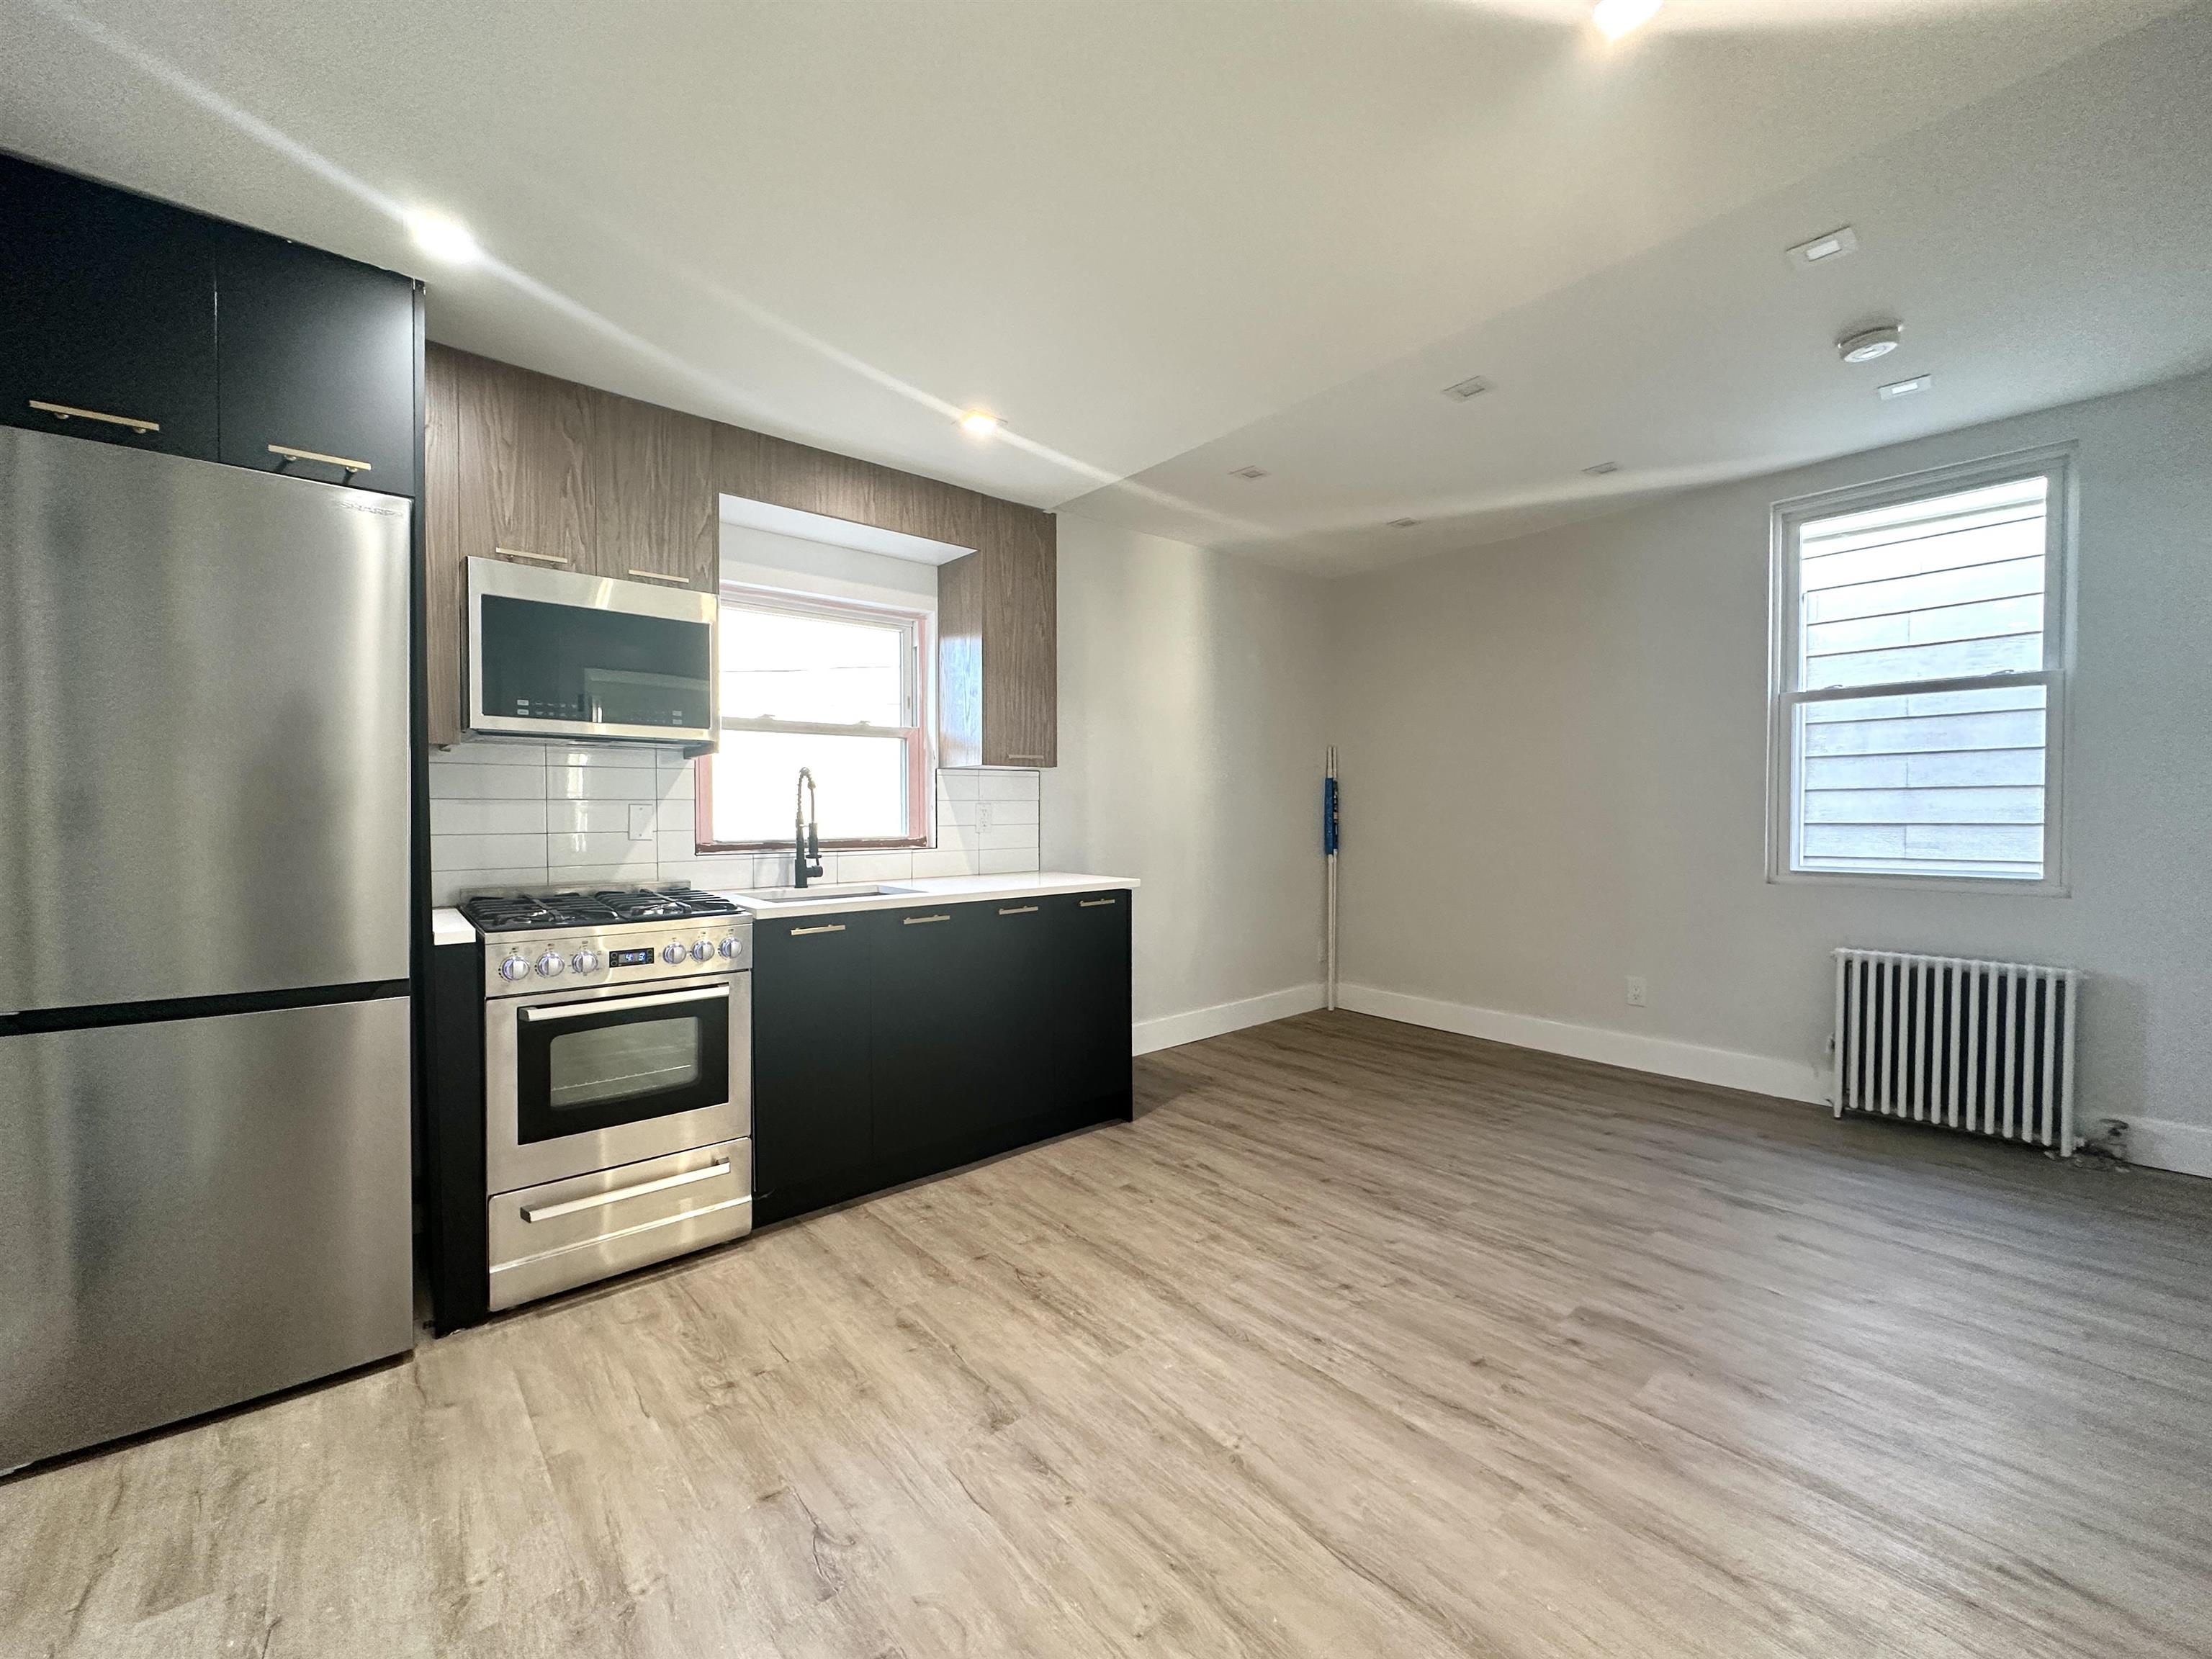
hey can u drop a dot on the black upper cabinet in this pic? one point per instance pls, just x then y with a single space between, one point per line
106 307
810 1065
315 354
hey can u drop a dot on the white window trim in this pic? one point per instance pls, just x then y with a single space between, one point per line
2057 463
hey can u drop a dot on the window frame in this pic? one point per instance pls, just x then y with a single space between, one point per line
2057 464
916 695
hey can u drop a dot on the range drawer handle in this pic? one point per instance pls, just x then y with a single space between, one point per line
70 412
659 576
826 928
622 1005
721 1166
346 463
1092 904
917 921
1016 909
534 558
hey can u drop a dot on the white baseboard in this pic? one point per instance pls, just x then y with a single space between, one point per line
1726 1068
1172 1030
2164 1144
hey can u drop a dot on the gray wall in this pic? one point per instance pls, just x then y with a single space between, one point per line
1555 760
1191 688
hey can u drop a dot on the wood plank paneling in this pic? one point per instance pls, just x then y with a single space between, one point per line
652 490
1362 1340
1021 646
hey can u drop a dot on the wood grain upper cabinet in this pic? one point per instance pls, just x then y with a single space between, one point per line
652 485
998 647
315 364
106 309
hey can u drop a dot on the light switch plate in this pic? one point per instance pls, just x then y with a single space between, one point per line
640 820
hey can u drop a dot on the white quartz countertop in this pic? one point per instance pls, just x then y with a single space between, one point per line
936 890
449 926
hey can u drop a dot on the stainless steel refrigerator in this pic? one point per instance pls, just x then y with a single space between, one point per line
203 936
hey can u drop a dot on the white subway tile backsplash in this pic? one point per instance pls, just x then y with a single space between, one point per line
578 818
959 785
1005 837
489 752
447 886
946 861
674 786
474 781
598 847
875 866
1009 786
630 872
1009 862
601 783
487 852
480 818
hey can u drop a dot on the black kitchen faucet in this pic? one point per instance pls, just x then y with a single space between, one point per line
806 835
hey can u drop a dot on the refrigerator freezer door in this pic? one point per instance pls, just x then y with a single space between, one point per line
196 1212
204 680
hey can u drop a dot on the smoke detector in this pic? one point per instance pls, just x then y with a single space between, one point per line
1870 343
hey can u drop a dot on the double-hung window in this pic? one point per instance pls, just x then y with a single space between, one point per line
835 687
1921 644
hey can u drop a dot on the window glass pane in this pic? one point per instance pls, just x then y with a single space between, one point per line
859 781
1947 783
1943 588
827 670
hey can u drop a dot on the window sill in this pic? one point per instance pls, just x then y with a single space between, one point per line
1995 885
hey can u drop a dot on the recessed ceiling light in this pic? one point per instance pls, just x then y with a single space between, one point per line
1870 343
1905 388
978 424
1825 250
1402 523
446 241
1248 471
1467 389
1602 468
1615 18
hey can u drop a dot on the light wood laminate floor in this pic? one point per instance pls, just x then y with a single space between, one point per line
1363 1341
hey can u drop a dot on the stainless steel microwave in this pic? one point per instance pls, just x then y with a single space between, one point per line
555 654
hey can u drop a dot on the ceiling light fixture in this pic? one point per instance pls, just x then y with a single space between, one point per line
1464 389
1603 468
1868 344
978 424
446 241
1248 473
1905 388
1825 250
1615 18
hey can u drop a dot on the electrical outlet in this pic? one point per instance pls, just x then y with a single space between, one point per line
1636 991
982 815
640 820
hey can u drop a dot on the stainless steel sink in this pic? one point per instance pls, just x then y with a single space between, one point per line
822 890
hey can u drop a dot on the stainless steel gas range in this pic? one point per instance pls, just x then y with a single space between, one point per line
618 1050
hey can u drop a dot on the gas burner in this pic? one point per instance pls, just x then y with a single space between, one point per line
507 912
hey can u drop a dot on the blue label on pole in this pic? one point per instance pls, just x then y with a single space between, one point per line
1329 817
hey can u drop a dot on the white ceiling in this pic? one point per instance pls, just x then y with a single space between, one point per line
1166 240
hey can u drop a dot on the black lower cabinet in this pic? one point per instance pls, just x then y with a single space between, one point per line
812 1134
920 1039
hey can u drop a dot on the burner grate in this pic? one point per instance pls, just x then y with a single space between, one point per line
513 912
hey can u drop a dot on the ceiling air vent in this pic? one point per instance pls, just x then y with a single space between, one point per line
1467 389
1248 471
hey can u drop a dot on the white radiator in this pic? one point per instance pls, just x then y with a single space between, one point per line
1986 1047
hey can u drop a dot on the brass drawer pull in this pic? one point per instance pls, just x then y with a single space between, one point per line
826 928
346 463
70 412
916 922
1092 904
1016 909
534 558
659 576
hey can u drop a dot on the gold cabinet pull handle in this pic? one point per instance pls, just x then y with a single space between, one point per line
70 412
916 922
1092 904
1016 909
534 558
1025 758
826 928
659 576
349 465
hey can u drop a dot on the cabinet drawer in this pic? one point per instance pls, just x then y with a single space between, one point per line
565 1233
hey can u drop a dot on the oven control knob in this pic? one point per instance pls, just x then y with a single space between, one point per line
584 962
703 950
515 968
672 953
731 947
549 966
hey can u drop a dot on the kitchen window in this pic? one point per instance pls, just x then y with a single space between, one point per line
832 685
1922 638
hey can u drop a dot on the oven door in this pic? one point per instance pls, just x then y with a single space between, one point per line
602 1077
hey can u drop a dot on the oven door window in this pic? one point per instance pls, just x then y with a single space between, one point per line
590 1066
